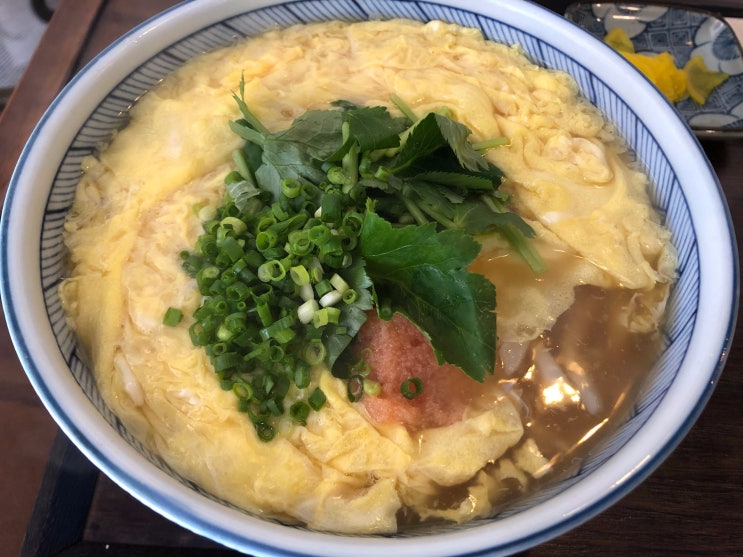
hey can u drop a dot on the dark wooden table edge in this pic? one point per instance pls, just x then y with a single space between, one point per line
60 514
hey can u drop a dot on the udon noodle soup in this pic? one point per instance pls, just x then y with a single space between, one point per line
573 341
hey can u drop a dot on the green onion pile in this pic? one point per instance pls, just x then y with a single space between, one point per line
347 210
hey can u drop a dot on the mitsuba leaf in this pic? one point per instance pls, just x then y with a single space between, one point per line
371 128
444 161
316 132
475 218
253 156
422 274
352 316
424 139
433 132
457 137
286 160
456 180
344 104
374 128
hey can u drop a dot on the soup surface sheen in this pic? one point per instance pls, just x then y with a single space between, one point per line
572 341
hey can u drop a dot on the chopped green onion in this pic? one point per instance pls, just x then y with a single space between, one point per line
323 287
349 296
306 292
412 387
338 283
302 375
306 311
331 207
299 242
275 352
242 390
317 399
232 248
316 271
266 239
320 318
279 212
207 212
265 223
319 234
325 316
234 223
331 298
299 412
271 271
280 330
336 175
172 317
372 388
226 361
265 431
264 313
299 275
291 188
237 291
352 222
314 352
334 314
355 388
273 406
361 367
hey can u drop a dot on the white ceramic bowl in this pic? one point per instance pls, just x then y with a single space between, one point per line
702 307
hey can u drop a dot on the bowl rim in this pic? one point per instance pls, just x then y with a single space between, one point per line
90 434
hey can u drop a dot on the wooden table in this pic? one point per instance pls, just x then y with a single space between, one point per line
692 505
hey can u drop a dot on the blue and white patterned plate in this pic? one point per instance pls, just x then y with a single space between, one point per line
701 310
683 33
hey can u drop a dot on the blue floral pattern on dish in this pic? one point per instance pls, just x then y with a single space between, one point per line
684 33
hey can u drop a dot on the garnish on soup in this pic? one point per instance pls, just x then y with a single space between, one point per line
346 207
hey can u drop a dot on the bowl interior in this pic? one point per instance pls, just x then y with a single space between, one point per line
514 22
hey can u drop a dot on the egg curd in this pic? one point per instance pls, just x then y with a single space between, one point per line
570 177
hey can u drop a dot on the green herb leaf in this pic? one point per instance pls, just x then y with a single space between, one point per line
433 132
316 132
422 274
457 137
374 128
284 160
456 180
353 315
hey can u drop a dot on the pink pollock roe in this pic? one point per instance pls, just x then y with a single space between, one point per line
397 350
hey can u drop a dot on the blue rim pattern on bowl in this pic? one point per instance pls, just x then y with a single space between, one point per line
110 115
684 32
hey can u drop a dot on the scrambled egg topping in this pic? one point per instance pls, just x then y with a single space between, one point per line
134 213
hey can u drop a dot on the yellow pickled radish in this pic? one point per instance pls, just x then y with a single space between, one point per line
695 79
662 71
619 40
701 80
